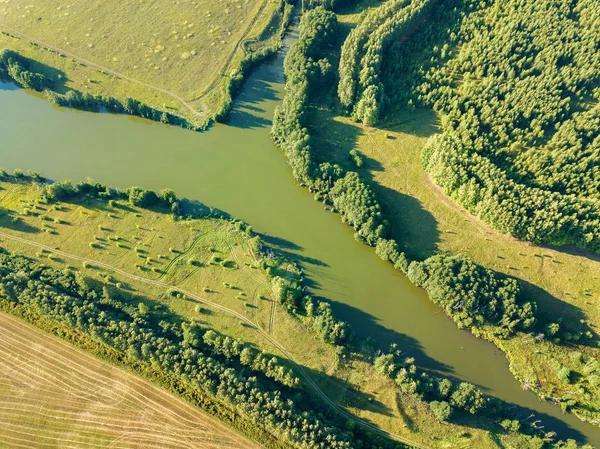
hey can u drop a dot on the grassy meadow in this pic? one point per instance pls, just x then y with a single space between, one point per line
215 260
210 258
88 403
564 282
174 56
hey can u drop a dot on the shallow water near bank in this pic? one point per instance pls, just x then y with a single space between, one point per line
236 168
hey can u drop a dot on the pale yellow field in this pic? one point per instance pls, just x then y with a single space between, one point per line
54 396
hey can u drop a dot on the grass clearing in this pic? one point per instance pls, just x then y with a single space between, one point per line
564 282
153 246
162 53
53 395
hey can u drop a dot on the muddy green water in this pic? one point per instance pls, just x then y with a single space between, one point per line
236 168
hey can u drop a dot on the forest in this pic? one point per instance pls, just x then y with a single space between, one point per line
516 85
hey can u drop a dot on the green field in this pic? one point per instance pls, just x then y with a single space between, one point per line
210 258
175 56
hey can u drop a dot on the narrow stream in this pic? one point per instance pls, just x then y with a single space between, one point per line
236 168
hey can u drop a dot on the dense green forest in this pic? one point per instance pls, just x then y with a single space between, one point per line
516 85
360 84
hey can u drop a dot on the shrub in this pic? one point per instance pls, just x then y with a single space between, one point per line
564 374
441 410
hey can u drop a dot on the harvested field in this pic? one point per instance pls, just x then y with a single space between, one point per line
54 396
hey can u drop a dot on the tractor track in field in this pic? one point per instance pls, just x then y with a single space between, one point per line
102 68
215 83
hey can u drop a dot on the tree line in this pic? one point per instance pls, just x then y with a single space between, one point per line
307 72
144 198
17 67
361 88
447 399
89 102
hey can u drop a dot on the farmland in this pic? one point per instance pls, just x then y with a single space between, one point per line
174 56
53 395
294 335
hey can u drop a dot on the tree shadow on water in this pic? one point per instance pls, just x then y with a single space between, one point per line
365 325
279 242
247 120
198 209
7 83
248 108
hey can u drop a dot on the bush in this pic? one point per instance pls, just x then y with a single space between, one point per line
469 398
472 294
441 410
564 374
16 67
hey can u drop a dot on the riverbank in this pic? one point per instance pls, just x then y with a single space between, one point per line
208 270
333 173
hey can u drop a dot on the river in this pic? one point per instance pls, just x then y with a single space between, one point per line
236 168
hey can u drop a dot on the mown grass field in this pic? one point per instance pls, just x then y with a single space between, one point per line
169 53
564 282
54 396
200 256
210 258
